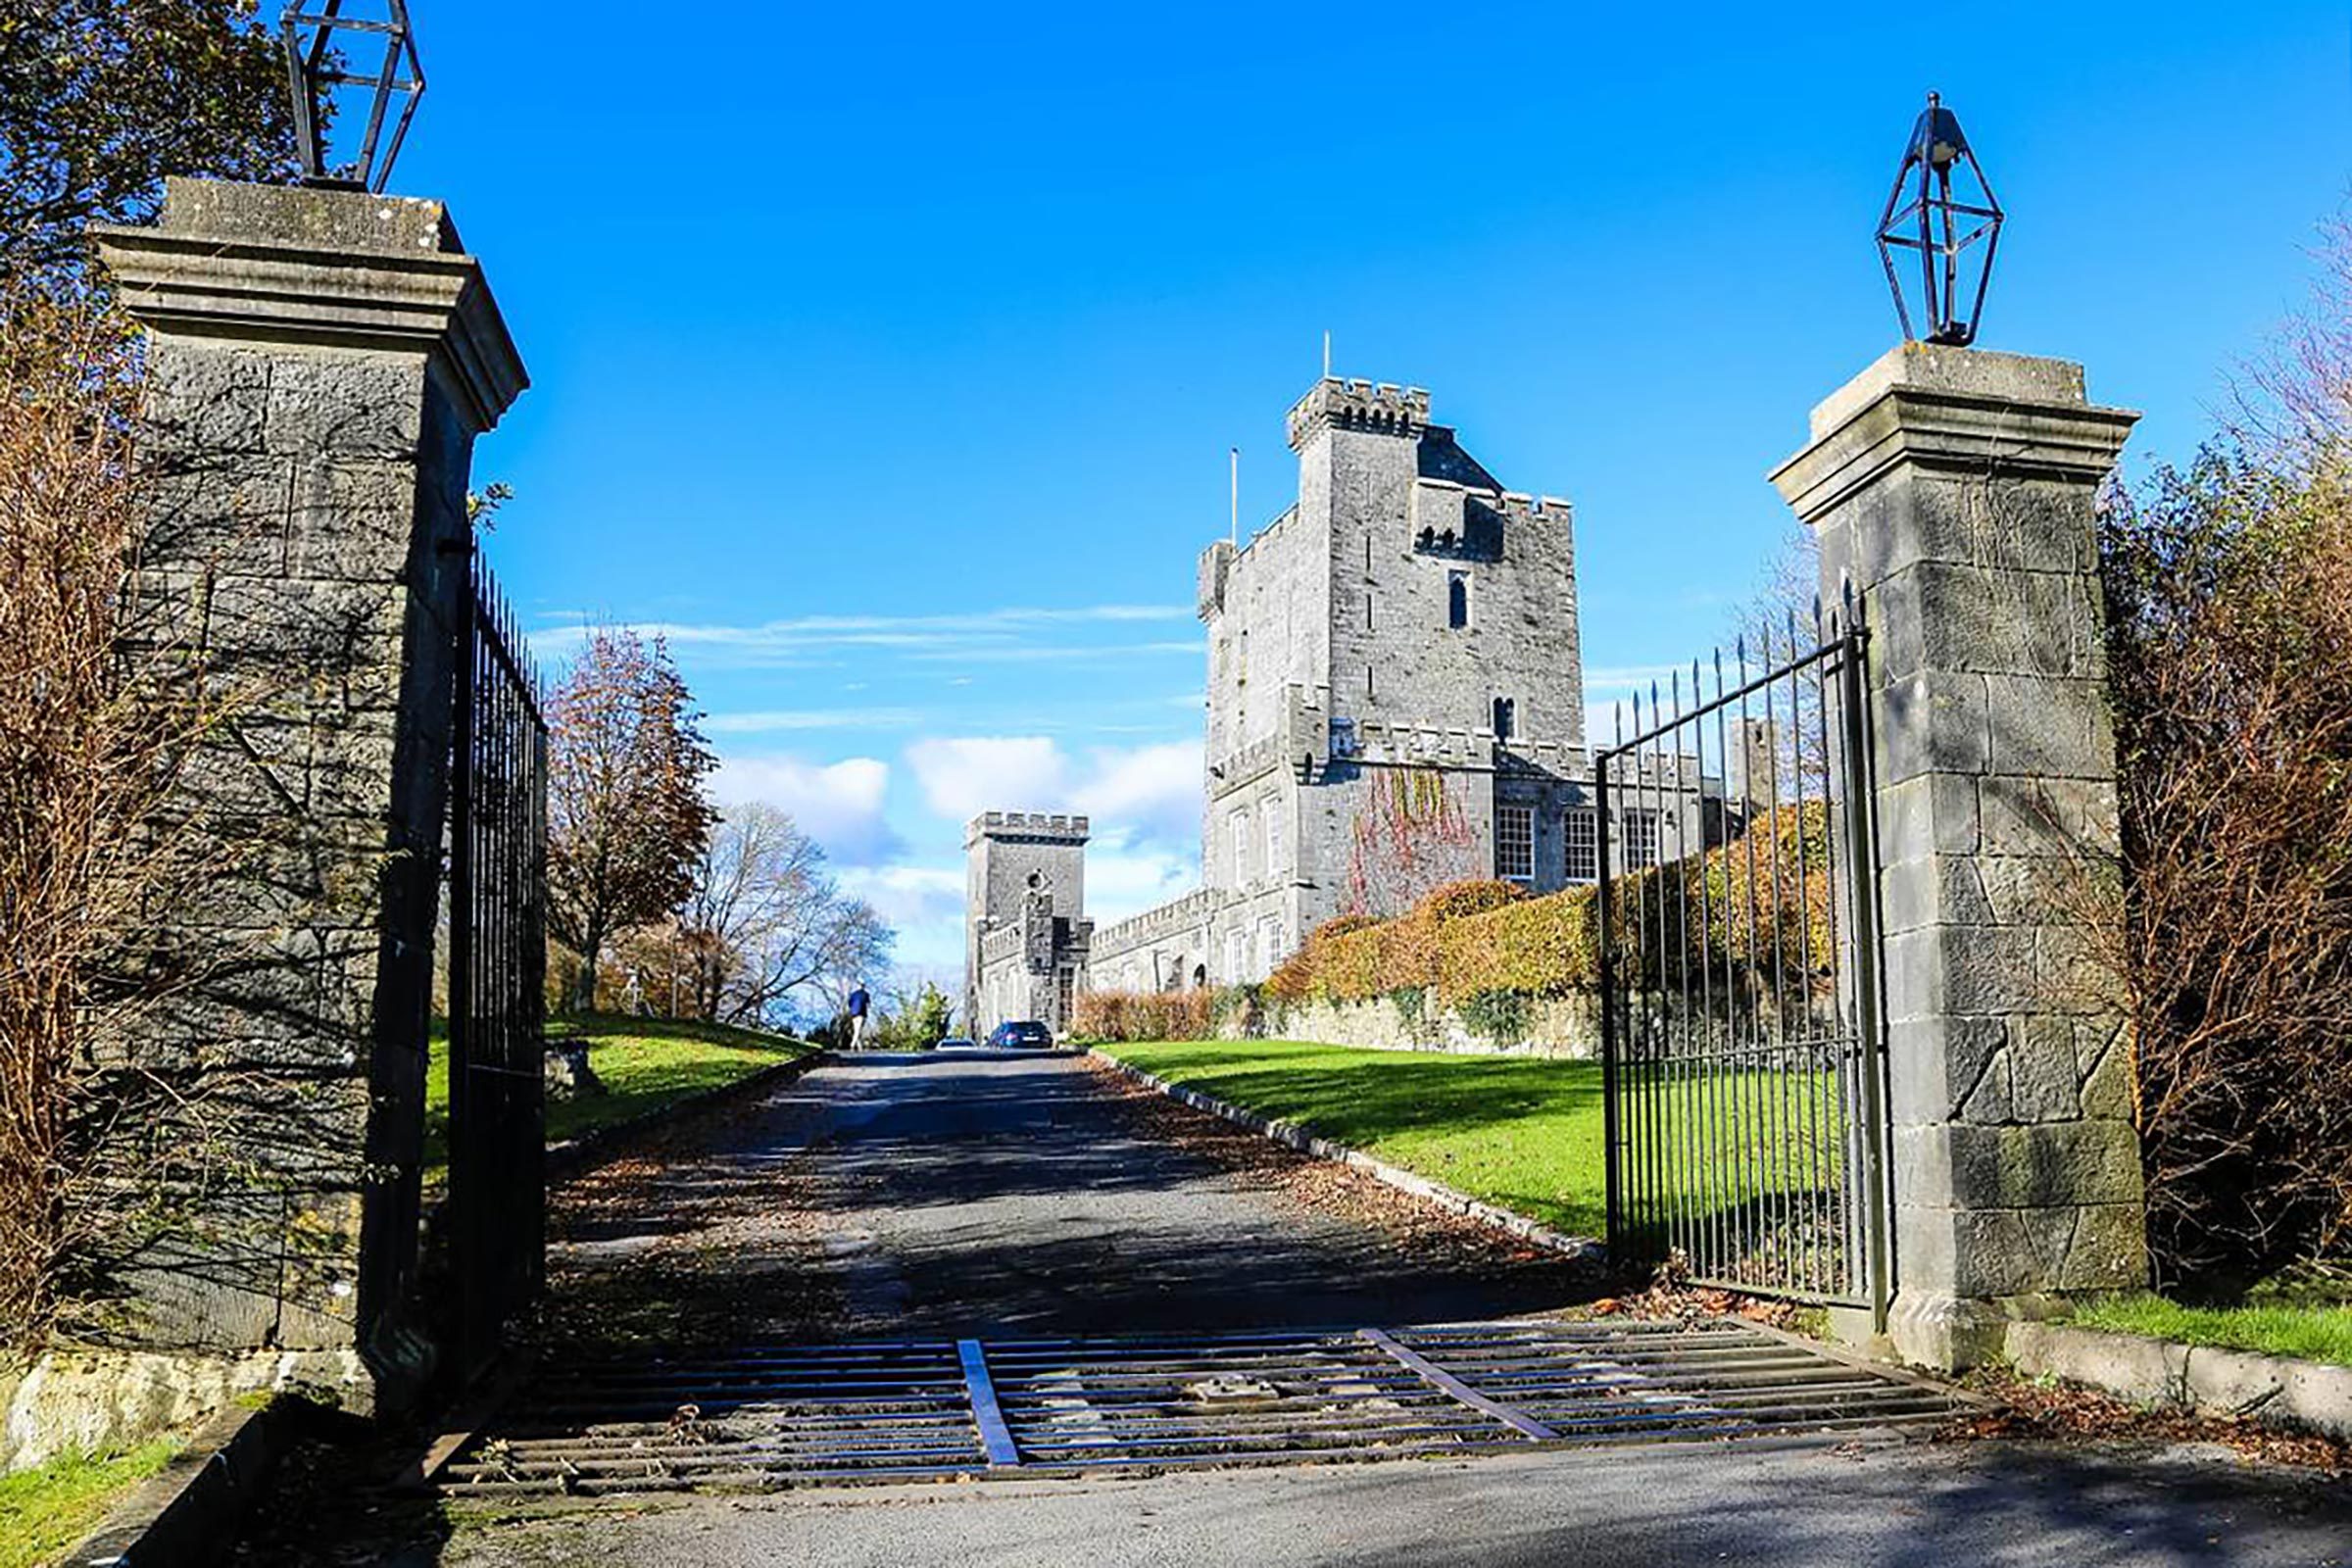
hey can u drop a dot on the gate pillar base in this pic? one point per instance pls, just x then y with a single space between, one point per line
320 364
1953 492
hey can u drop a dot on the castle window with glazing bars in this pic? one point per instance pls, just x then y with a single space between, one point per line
1581 831
1515 843
1637 837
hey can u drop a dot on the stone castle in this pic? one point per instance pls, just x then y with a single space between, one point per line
1396 698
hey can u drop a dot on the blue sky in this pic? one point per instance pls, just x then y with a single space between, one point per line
890 355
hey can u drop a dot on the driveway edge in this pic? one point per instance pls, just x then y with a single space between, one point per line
2274 1389
1582 1249
188 1513
573 1155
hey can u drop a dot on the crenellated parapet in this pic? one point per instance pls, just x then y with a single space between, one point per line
1001 945
1029 826
1373 408
1185 917
1463 522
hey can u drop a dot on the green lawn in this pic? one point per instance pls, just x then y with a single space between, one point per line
44 1511
644 1063
2312 1332
1519 1133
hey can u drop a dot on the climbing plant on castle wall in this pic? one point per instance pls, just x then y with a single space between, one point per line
1411 837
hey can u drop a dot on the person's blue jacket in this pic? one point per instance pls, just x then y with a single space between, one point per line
858 1001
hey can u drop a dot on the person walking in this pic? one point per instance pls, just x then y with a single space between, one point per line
859 1004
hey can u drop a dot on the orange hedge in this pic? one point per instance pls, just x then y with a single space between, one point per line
1763 901
1119 1016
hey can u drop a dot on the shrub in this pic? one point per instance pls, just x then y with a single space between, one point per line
2229 934
1762 902
1497 1016
1126 1015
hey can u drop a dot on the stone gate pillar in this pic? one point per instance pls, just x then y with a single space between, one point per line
320 364
1953 491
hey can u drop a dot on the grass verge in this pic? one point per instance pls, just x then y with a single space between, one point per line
44 1511
644 1063
2307 1333
1521 1134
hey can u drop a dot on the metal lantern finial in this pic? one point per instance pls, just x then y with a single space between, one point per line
1924 215
338 58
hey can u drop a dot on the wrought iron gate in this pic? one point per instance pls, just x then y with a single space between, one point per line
1744 1057
497 972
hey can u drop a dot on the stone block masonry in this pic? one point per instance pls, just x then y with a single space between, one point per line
320 364
1953 492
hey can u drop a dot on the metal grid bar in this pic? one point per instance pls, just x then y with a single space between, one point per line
829 1414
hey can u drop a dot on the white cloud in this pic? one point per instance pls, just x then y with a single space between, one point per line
924 905
1154 791
774 719
839 804
1034 653
1145 794
963 776
1001 633
1122 881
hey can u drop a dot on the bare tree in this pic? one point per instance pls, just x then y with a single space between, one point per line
767 922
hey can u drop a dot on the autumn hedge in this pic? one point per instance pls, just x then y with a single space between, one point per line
1761 902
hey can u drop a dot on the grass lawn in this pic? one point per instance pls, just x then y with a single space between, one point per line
2312 1332
644 1063
44 1511
1522 1134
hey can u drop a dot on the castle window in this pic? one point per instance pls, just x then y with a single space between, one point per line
1269 944
1273 816
1638 835
1237 954
1506 713
1515 843
1581 832
1367 609
1238 825
1457 600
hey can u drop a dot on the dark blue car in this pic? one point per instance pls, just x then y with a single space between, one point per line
1026 1035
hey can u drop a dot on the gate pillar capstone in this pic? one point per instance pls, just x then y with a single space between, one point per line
320 364
1954 490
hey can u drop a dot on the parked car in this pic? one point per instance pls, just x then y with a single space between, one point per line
955 1042
1026 1035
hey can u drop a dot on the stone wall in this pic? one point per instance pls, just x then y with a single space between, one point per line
1565 1027
320 364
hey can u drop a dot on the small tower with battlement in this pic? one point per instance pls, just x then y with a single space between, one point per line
1025 925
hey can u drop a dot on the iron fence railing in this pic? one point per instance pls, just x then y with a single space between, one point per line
1743 1062
497 973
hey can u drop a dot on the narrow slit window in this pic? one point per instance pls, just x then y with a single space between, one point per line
1457 600
1506 717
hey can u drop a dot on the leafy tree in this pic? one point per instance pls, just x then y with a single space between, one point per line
627 820
100 99
930 1016
766 920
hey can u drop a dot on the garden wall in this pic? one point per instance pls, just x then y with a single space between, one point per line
1547 1026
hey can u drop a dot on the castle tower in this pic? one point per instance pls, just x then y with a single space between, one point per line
1025 916
1407 611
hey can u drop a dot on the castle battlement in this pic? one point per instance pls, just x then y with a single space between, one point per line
1026 824
1178 916
1375 408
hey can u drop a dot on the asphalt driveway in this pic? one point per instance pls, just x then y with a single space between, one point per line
990 1195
